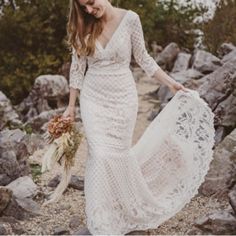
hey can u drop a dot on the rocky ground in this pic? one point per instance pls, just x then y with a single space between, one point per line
68 215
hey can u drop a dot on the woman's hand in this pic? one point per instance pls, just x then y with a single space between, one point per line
175 86
70 112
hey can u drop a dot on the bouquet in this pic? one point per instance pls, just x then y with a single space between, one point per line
63 139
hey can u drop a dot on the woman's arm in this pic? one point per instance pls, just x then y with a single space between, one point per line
77 70
73 95
147 63
165 79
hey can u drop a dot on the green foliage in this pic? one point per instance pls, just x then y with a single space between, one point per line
32 42
222 26
35 171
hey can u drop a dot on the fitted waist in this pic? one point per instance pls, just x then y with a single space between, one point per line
108 71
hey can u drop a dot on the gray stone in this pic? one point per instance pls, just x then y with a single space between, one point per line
167 57
205 62
76 182
221 174
229 57
82 231
225 49
8 114
232 198
23 187
182 62
217 223
60 231
185 75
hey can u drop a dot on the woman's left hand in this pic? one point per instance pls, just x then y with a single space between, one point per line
175 86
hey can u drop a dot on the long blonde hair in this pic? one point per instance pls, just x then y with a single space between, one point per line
81 25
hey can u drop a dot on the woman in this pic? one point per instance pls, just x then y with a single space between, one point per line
131 187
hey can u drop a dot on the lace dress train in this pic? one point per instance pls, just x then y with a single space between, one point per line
137 187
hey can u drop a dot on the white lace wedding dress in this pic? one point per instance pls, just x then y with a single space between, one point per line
136 187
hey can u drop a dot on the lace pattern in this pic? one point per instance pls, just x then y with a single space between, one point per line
131 187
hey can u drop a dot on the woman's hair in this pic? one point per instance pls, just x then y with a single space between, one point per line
81 25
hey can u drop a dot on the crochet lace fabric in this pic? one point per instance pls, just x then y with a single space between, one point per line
137 187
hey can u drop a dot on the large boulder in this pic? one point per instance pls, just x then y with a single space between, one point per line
19 208
182 62
167 57
205 62
185 75
219 91
23 187
13 155
222 173
48 92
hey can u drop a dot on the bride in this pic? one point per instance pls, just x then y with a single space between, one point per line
131 187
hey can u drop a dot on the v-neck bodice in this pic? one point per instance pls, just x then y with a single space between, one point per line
126 40
114 33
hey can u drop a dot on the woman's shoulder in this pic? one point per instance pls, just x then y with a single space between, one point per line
131 13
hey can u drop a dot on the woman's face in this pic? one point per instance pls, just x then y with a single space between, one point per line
94 7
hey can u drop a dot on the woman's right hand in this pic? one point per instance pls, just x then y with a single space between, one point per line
70 112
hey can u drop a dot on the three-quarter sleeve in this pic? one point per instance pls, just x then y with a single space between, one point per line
145 61
77 70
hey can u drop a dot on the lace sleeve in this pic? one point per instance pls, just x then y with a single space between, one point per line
77 70
147 63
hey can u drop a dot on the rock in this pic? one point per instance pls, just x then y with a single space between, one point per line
229 57
217 223
219 87
14 209
76 182
205 62
185 75
167 57
13 155
5 198
9 116
23 187
52 86
75 222
182 62
29 205
83 231
11 225
226 112
37 122
225 49
4 179
232 198
222 172
60 231
9 167
164 94
48 92
14 202
34 142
